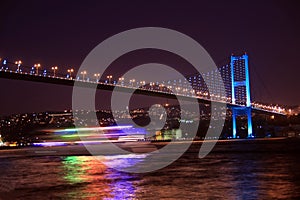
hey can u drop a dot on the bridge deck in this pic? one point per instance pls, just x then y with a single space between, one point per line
110 87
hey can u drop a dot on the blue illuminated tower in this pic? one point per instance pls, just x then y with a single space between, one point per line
240 91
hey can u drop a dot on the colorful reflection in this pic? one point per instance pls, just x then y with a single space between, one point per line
122 185
122 162
95 180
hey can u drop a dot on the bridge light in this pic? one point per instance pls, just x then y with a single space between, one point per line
83 73
132 82
109 78
70 71
55 68
121 79
18 63
37 66
97 75
142 83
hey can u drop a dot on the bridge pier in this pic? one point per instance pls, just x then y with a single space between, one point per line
249 119
240 92
242 111
234 123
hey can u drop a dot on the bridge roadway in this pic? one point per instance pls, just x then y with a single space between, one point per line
6 74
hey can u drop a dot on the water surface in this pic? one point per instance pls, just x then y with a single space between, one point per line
267 169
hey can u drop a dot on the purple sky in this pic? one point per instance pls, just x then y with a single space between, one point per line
63 32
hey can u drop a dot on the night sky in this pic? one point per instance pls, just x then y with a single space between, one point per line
62 33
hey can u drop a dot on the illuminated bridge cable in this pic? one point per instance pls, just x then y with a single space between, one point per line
264 88
219 64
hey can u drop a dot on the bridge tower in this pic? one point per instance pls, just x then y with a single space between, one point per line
240 91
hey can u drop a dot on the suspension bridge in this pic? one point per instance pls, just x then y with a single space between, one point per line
235 77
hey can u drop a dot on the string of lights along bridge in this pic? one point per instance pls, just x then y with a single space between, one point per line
235 81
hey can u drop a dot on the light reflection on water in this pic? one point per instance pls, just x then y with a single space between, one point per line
99 181
231 171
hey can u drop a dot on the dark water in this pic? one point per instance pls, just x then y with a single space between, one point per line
267 169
